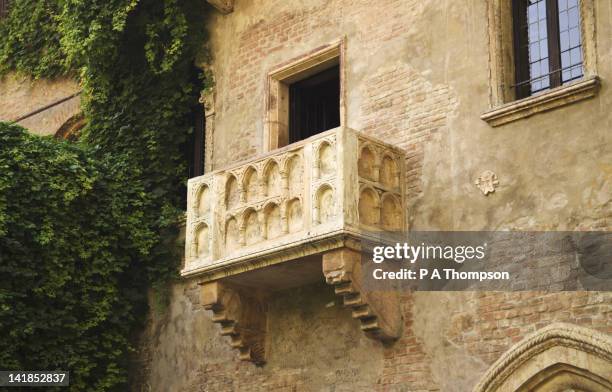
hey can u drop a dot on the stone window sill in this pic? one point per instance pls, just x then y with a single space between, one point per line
560 96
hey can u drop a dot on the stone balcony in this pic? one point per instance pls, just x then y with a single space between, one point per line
298 200
289 217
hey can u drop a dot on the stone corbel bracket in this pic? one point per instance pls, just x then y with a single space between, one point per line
378 312
223 6
242 313
242 317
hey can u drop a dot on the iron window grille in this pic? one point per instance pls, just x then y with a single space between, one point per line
547 44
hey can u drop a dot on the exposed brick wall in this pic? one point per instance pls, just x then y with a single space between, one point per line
406 362
402 107
503 319
272 39
265 38
497 321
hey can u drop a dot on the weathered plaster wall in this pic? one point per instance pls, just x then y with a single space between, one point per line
20 95
417 76
312 344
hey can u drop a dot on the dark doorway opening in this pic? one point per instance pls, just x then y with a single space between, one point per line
195 144
314 104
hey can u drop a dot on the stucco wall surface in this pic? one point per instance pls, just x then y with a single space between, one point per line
417 75
20 96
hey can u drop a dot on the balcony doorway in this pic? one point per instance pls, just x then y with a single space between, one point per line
305 97
314 104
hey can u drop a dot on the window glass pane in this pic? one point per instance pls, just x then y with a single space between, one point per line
536 86
534 51
533 32
565 59
574 19
574 39
544 67
563 20
577 72
566 75
542 10
537 48
532 13
564 40
544 48
575 56
570 43
543 30
535 70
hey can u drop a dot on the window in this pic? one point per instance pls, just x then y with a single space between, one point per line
195 144
314 104
542 55
304 96
4 8
548 44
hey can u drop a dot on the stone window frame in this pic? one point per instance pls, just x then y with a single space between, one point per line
276 116
503 107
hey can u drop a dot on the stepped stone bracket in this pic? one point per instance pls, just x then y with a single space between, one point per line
242 316
378 312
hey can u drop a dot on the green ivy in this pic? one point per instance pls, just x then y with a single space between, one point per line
71 241
30 40
86 228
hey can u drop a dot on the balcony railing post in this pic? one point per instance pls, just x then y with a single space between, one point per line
261 218
316 169
376 170
283 213
241 234
262 188
285 182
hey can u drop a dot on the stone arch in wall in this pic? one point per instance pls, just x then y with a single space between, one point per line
558 358
71 128
272 178
203 201
272 220
369 206
232 192
251 226
367 163
326 157
250 184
